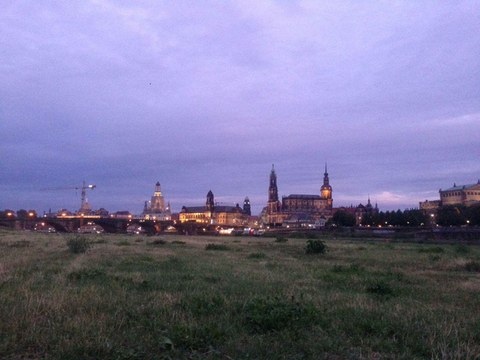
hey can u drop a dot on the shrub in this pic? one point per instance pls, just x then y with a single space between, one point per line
472 266
315 247
380 288
216 247
178 242
157 242
78 244
281 239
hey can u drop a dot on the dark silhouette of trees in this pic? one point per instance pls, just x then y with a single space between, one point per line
342 218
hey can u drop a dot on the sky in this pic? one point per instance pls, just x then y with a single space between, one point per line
207 95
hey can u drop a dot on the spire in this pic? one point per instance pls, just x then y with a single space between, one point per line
325 176
272 189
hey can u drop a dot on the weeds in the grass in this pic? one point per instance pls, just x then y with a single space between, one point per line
202 305
432 250
380 289
275 313
157 242
78 245
20 244
461 249
178 242
212 246
315 247
472 266
351 269
281 239
257 255
123 242
86 274
434 258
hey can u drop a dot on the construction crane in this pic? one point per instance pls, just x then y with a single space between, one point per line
83 195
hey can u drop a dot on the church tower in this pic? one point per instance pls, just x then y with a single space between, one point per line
326 190
210 204
272 189
246 206
273 203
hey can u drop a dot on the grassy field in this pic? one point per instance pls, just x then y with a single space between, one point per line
140 297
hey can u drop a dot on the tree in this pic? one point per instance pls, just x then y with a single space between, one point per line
342 218
451 216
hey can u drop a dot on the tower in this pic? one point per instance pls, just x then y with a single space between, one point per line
272 189
210 204
157 202
246 206
273 203
326 190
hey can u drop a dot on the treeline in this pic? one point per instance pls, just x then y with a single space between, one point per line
411 217
458 215
445 216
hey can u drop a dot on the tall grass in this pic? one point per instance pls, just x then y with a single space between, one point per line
182 302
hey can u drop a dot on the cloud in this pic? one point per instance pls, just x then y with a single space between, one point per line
208 95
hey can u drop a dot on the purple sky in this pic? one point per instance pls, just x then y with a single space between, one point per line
207 95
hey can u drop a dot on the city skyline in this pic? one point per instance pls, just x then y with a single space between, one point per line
207 96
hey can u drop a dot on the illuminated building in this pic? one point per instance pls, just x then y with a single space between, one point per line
155 209
466 195
213 213
298 208
461 195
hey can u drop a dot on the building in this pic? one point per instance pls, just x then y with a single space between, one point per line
365 212
461 195
155 209
466 195
215 214
305 210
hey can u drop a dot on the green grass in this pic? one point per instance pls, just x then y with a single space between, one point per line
260 300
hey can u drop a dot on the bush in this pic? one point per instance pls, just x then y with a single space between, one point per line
315 247
216 247
78 245
380 288
157 242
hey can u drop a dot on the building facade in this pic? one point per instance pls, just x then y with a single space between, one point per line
461 195
298 209
466 195
214 214
155 209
